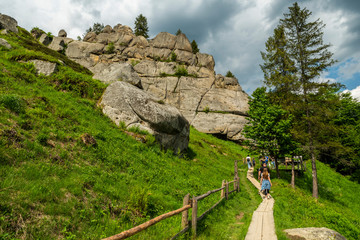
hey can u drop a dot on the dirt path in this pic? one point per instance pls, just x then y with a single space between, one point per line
262 226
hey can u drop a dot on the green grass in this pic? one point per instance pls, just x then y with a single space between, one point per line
338 207
52 185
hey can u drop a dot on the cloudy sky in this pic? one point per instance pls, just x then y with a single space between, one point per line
233 31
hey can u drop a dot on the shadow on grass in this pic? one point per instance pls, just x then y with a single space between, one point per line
304 181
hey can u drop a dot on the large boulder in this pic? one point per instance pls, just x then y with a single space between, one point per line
164 40
205 60
78 49
90 37
45 39
116 72
123 102
44 67
57 44
313 233
62 33
183 43
5 43
8 23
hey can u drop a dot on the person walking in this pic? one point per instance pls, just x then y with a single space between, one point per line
248 160
265 183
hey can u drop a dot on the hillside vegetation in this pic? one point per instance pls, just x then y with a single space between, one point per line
68 172
56 185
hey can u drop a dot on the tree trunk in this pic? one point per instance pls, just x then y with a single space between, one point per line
292 173
314 174
277 166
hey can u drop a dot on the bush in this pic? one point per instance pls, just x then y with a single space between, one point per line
181 71
13 103
173 57
194 47
229 74
110 48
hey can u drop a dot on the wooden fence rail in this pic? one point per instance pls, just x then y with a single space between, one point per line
187 204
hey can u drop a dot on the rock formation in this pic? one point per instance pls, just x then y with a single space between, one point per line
123 102
167 68
8 23
313 234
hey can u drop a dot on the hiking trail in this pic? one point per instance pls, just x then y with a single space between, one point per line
262 226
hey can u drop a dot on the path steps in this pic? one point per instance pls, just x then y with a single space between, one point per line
262 226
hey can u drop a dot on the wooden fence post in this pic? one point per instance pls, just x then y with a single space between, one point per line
236 168
238 184
227 190
235 181
194 216
223 190
185 214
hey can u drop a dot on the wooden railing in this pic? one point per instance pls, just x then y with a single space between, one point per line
187 204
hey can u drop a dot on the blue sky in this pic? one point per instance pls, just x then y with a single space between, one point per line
233 31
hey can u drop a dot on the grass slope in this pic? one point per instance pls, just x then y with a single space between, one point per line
337 208
53 185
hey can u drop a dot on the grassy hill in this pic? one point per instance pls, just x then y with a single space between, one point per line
53 185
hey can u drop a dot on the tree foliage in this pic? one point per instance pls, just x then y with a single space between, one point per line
229 74
178 32
194 46
269 126
97 28
294 59
141 26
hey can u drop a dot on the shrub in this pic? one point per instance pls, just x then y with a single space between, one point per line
181 71
206 109
173 57
194 47
178 32
13 103
229 74
110 48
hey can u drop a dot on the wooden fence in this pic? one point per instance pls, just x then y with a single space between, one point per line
187 204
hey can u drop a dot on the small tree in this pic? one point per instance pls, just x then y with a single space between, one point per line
229 74
178 32
97 28
141 26
194 46
269 126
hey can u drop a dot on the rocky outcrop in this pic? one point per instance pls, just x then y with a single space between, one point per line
313 234
44 67
8 23
62 33
116 72
123 102
45 39
5 43
166 68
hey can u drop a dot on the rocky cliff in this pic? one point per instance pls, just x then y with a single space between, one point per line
166 68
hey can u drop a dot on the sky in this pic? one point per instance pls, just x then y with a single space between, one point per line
233 31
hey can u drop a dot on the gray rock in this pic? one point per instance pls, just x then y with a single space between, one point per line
116 72
185 57
205 60
122 29
139 42
107 29
157 53
154 69
62 33
45 39
5 43
90 37
227 82
183 43
313 233
57 44
124 102
77 49
8 23
134 52
44 67
164 40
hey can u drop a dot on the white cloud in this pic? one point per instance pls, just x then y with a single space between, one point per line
350 68
355 92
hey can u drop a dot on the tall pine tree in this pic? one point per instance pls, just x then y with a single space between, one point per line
294 59
141 26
